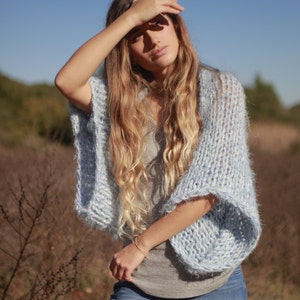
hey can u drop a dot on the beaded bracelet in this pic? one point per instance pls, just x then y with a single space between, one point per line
138 247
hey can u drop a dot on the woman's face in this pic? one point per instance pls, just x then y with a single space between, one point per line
154 46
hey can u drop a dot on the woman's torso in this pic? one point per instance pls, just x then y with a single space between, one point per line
161 274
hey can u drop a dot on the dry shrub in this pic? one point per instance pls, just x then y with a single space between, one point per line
45 251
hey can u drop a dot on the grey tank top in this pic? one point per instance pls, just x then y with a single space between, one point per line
160 274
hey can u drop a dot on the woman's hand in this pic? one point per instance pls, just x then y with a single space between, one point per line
145 10
125 262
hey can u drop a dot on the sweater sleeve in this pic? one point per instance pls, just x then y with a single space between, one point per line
96 191
226 235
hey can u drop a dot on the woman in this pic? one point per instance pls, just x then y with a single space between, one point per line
162 156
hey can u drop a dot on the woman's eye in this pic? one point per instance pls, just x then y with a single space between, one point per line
135 36
157 23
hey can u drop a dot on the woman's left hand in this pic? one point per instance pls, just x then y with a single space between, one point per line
125 262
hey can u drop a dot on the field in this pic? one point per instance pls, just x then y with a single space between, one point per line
272 271
46 252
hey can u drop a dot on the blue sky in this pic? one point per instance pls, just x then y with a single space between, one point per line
243 37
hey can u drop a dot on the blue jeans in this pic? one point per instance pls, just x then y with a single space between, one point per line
233 289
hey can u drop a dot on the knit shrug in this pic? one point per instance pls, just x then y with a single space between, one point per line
226 235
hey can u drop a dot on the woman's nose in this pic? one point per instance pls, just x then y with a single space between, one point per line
153 38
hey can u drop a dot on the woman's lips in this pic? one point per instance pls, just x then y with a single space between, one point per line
159 52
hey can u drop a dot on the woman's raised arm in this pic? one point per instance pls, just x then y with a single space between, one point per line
72 79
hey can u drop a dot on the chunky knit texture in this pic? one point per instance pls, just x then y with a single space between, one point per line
225 236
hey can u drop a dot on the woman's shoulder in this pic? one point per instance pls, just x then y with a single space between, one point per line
220 92
213 76
220 86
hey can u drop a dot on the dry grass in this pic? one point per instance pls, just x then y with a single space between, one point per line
273 270
273 137
76 257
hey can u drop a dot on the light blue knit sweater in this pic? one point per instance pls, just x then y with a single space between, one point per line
225 236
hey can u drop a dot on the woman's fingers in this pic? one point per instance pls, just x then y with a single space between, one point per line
125 262
145 10
121 273
116 269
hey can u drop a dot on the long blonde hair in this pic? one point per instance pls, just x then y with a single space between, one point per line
128 117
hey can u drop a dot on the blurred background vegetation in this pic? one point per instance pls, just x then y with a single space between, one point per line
30 114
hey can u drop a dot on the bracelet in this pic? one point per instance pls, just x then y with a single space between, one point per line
138 247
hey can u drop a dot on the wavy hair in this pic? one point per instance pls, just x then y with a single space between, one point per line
128 117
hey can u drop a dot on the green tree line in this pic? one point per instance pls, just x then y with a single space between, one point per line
34 113
264 103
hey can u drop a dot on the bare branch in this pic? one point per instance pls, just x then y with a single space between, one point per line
8 254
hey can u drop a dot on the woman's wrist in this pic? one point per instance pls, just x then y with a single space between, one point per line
147 240
140 248
130 19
